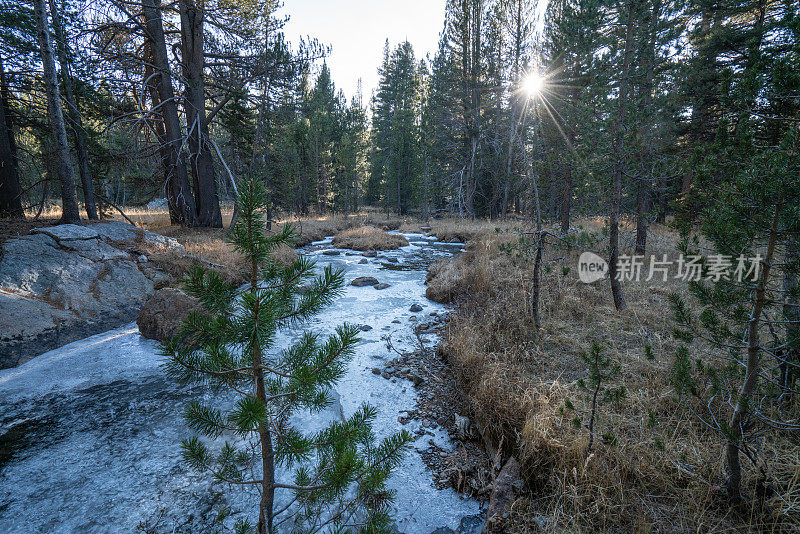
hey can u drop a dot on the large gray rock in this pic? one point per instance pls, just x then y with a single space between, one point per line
66 282
68 232
123 232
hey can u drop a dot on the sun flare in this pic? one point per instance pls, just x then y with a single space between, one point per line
533 84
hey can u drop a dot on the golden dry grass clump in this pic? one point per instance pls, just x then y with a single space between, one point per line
311 229
209 246
453 230
654 466
369 238
206 246
210 249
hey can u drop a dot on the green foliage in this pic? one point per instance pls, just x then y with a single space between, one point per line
682 372
395 160
602 369
338 473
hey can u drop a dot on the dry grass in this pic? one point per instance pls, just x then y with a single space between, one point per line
654 467
210 248
454 230
369 238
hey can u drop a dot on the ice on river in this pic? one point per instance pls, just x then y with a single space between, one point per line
90 432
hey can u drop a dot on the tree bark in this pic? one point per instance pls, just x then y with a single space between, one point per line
566 199
643 190
618 150
73 115
179 191
642 196
69 200
751 369
157 123
10 192
201 159
791 313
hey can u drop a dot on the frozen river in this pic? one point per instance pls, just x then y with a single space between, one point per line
90 433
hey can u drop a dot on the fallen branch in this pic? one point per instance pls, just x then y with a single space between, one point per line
105 199
235 189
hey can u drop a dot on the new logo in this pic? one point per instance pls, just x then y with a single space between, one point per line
591 268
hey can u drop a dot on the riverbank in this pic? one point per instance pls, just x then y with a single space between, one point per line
654 466
62 283
90 433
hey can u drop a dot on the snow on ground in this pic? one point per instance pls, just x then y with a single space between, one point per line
90 432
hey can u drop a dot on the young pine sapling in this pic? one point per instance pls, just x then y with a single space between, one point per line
331 479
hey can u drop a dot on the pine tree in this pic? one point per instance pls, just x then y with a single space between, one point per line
395 123
751 219
336 476
322 110
601 370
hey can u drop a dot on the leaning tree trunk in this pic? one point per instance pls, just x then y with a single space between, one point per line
751 366
66 174
74 115
10 193
617 140
200 158
179 191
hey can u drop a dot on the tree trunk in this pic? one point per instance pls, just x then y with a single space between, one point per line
70 213
471 97
157 123
569 165
200 157
617 136
751 369
566 199
643 190
664 189
791 313
540 236
642 196
73 114
179 191
10 193
265 508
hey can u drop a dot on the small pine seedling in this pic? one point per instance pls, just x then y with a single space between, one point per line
601 369
334 477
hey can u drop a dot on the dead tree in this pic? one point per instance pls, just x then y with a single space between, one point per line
66 174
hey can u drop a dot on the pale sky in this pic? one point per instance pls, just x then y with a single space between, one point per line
357 30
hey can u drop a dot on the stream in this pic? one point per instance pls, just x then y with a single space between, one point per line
90 432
